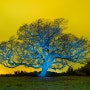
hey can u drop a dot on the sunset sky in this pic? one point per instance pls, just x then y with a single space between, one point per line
14 13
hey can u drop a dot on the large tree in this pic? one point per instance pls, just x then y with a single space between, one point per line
43 45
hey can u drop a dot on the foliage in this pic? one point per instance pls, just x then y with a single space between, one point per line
70 71
85 70
43 45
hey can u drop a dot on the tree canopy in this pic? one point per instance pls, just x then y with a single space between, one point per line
42 44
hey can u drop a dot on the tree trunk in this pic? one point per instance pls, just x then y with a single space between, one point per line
43 72
46 66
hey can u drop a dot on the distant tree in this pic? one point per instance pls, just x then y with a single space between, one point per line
70 71
43 45
85 70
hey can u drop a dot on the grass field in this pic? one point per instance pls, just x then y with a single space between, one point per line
48 83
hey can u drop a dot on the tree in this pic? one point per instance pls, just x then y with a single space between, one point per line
85 70
70 71
43 45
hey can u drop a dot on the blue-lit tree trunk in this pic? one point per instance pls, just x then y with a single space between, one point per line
46 65
44 71
45 68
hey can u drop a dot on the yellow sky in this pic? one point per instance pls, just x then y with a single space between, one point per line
14 13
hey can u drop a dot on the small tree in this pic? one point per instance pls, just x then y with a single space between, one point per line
70 71
43 45
85 70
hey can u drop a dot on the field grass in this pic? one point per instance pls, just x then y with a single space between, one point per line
48 83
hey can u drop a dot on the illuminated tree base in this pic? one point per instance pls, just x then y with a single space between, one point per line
43 73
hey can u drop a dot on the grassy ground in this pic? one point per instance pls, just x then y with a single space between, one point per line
55 83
